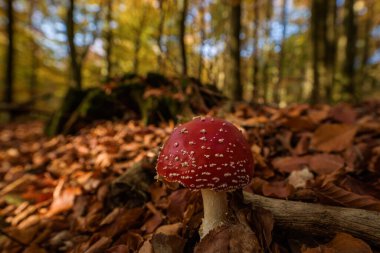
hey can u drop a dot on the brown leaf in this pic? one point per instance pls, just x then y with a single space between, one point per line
329 193
229 239
342 242
62 201
290 163
325 163
178 204
333 137
299 123
343 113
99 246
167 243
279 189
118 249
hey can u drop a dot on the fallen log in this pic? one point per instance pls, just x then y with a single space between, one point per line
322 220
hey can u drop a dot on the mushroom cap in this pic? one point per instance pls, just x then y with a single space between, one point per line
206 153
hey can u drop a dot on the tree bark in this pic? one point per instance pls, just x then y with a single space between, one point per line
255 72
316 30
268 12
9 69
278 85
350 32
233 78
137 46
161 25
203 39
109 40
182 33
76 66
322 220
330 48
33 54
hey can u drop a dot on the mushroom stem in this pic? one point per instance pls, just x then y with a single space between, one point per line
215 209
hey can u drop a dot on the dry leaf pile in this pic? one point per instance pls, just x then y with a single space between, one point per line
95 191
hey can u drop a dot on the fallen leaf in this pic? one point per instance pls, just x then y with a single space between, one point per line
167 243
342 242
298 178
325 163
290 163
237 238
333 137
329 193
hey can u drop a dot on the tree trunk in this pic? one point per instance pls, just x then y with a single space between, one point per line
9 71
255 72
109 40
182 33
203 39
278 86
350 31
76 66
330 48
315 40
137 46
161 25
33 52
233 79
268 12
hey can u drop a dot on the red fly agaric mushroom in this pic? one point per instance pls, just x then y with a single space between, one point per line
210 155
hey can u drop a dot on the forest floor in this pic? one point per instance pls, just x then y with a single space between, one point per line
74 193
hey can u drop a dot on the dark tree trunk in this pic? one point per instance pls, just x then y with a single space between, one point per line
182 33
350 31
278 86
9 71
76 66
203 40
316 37
161 25
268 12
33 52
233 79
255 72
330 47
137 46
109 40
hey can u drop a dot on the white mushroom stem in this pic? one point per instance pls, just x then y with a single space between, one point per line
215 208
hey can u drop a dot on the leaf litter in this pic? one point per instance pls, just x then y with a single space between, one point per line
95 191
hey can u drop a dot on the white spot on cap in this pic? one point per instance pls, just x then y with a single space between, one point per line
203 138
176 144
203 131
191 143
220 140
207 156
184 131
227 174
184 164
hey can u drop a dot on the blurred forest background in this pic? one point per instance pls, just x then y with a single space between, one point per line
273 51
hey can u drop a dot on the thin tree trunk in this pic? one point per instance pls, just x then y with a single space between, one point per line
109 40
315 40
367 33
9 71
255 72
233 79
203 40
76 67
160 58
278 86
136 59
33 52
330 48
182 33
350 31
268 12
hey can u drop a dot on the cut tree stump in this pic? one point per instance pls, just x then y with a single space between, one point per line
322 220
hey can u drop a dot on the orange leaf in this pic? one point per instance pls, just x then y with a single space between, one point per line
330 193
333 137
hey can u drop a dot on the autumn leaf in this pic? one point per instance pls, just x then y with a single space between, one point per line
333 137
329 193
342 242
